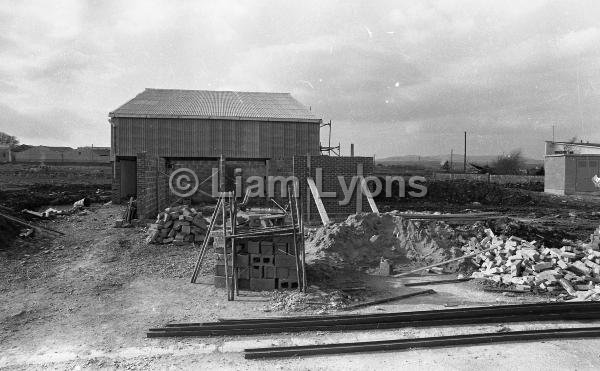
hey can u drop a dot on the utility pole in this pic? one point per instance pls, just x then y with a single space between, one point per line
553 134
465 159
452 160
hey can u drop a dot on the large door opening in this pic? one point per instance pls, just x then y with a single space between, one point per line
128 179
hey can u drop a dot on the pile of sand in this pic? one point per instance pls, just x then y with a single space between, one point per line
363 239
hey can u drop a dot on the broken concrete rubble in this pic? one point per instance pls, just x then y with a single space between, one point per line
178 225
532 266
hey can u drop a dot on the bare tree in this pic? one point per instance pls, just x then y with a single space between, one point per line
8 139
509 164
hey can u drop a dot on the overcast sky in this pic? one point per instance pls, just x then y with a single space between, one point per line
394 77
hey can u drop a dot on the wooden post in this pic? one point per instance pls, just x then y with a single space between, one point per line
308 175
224 211
303 247
291 206
234 287
359 201
222 174
465 158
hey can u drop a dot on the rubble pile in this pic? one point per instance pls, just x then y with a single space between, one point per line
530 266
363 239
177 225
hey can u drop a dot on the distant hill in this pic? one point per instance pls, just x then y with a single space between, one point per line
428 161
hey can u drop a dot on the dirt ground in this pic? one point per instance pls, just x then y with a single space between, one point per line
86 299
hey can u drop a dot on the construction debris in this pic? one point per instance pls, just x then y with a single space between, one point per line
363 239
177 225
390 299
530 266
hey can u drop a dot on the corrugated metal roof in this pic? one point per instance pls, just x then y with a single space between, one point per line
168 103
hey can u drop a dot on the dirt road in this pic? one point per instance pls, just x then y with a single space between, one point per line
85 300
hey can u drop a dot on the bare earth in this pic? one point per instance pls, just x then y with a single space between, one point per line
85 301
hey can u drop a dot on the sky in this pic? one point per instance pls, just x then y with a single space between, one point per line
394 77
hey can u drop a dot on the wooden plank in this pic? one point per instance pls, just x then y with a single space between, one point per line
318 201
367 192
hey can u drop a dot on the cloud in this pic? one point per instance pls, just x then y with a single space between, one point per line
424 72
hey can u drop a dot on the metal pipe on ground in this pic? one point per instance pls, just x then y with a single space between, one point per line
206 331
484 311
429 342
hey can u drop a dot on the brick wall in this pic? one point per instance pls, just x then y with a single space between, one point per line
331 168
150 184
116 182
154 194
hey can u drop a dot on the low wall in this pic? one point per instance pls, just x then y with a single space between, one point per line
500 179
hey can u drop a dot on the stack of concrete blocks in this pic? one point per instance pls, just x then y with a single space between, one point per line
263 264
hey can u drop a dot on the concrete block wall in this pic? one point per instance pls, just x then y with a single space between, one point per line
554 175
260 265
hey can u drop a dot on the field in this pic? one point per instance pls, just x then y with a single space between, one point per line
19 175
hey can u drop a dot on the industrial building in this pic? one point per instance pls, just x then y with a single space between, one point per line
571 168
259 134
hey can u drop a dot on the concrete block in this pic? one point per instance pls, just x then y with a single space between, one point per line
266 248
220 270
280 248
293 274
256 271
243 273
282 272
253 247
287 284
242 260
285 261
262 284
244 284
255 259
267 260
241 248
539 267
269 272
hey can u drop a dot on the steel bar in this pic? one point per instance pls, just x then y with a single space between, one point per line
390 299
444 262
234 278
472 216
205 242
224 211
429 342
537 308
296 255
302 243
439 282
206 331
262 233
